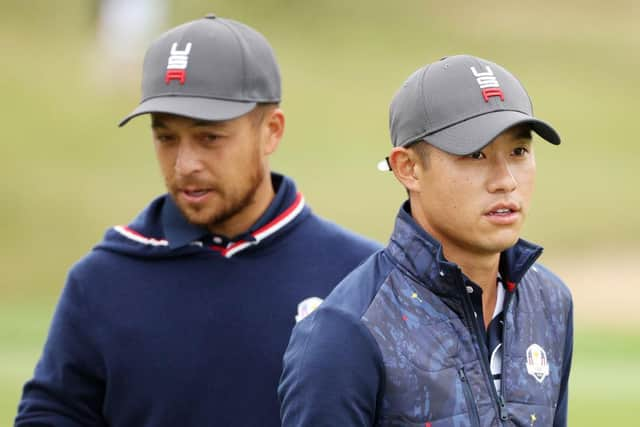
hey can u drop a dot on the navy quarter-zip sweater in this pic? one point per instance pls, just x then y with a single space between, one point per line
163 324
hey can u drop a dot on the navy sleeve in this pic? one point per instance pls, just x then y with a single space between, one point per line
560 419
332 373
67 388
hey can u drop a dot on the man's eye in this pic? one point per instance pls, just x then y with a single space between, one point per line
209 137
520 151
165 138
477 155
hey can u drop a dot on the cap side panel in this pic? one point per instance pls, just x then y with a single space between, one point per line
243 64
424 100
262 74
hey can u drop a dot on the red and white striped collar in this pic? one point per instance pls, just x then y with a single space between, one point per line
137 237
284 218
272 227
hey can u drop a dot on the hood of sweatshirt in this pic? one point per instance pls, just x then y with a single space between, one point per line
161 230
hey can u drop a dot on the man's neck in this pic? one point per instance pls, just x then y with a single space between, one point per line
483 271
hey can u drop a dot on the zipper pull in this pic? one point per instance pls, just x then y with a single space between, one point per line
504 414
462 375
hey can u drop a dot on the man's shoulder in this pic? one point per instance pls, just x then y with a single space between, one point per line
120 245
355 293
339 318
547 284
94 265
324 230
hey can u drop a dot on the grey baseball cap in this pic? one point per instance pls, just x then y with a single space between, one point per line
460 104
208 69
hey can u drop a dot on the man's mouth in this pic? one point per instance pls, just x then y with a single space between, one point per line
196 193
501 212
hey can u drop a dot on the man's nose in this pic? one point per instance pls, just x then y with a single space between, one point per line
502 178
187 160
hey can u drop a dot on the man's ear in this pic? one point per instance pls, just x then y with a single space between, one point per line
406 167
273 126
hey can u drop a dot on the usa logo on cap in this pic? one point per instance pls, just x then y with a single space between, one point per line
177 64
488 83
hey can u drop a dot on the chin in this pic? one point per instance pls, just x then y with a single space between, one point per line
498 243
197 219
200 217
504 244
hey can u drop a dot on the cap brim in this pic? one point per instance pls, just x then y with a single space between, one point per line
193 107
473 134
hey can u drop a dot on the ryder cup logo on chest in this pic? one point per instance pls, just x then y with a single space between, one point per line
537 364
177 64
488 83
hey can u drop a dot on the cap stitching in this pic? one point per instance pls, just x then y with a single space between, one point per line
242 56
423 77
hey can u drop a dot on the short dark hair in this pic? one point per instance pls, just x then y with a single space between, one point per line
422 149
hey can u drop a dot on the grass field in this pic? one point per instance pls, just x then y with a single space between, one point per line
68 172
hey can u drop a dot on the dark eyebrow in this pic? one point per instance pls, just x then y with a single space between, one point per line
524 133
204 123
157 123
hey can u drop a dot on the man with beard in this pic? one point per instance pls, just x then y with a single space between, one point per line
453 323
182 316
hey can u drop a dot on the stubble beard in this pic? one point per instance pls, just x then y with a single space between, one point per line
236 204
228 204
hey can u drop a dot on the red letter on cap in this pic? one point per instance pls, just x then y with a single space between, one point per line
180 75
492 91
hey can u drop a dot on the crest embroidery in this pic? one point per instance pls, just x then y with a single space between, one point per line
537 364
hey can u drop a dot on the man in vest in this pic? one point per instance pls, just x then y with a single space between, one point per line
453 323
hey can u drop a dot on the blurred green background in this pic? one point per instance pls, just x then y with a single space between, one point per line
68 172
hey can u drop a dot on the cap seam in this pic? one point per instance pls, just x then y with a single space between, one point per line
423 77
242 56
526 93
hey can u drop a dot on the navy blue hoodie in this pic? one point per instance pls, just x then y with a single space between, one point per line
163 324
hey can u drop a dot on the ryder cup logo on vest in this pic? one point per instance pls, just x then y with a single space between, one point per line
177 64
537 364
488 83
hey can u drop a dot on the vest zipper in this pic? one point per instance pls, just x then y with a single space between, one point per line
507 303
501 408
471 403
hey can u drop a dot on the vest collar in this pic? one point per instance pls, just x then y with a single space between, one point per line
420 254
